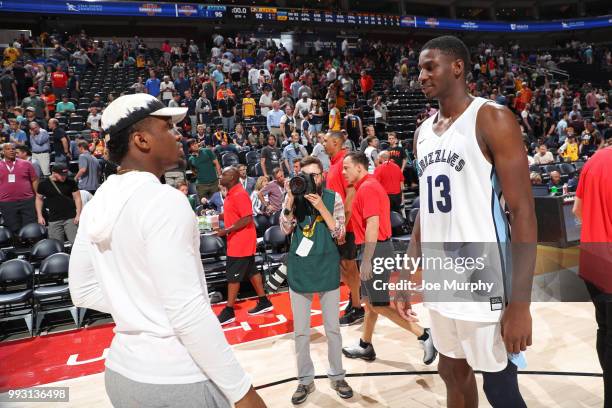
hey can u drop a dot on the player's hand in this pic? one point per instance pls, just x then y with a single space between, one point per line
516 327
221 232
251 400
401 303
41 220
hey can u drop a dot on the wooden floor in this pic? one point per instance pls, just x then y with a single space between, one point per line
564 342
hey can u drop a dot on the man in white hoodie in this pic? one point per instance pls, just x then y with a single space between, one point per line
136 256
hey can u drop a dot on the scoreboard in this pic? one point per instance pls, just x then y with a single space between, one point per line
150 8
315 16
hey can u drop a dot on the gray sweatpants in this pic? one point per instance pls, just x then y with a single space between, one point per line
63 230
125 393
300 305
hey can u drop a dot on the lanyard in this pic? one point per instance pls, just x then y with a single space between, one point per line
10 169
308 230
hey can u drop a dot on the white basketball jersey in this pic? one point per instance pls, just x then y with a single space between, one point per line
461 205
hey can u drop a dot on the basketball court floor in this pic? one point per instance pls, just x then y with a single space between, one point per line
562 367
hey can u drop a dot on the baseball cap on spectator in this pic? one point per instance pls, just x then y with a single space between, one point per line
96 95
60 168
31 109
31 89
127 110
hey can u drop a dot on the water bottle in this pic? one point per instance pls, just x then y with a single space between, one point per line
553 190
565 189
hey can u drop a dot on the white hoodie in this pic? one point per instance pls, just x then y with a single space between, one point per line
136 256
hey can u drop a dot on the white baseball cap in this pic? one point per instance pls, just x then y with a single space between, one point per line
130 109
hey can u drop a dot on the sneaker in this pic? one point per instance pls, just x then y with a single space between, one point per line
301 393
349 306
429 350
342 389
354 316
227 316
367 354
264 305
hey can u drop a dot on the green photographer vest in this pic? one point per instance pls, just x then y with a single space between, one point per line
319 271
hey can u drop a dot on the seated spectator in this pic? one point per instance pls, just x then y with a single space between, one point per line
239 137
536 178
530 160
273 193
543 156
184 188
216 201
256 138
258 206
65 105
555 180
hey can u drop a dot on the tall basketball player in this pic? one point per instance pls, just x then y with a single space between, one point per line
467 154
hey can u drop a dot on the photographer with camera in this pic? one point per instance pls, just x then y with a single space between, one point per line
315 217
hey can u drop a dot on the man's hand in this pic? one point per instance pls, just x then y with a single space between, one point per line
401 303
251 400
41 220
221 232
516 327
76 219
316 201
365 270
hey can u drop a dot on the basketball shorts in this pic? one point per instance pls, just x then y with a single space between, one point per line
480 343
348 250
374 289
237 268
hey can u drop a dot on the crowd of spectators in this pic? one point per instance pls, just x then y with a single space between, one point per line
247 94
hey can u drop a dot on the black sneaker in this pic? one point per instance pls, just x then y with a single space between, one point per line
355 316
349 306
263 306
226 316
342 389
356 351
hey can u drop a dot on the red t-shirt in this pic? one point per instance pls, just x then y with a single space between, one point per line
390 176
236 206
336 182
595 191
59 79
21 188
370 200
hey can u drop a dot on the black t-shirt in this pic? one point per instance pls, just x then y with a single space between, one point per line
289 125
397 154
352 128
272 156
58 147
61 207
227 107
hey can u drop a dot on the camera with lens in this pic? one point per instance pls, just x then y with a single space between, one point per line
302 184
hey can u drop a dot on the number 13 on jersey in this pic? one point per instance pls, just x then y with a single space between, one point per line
441 184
